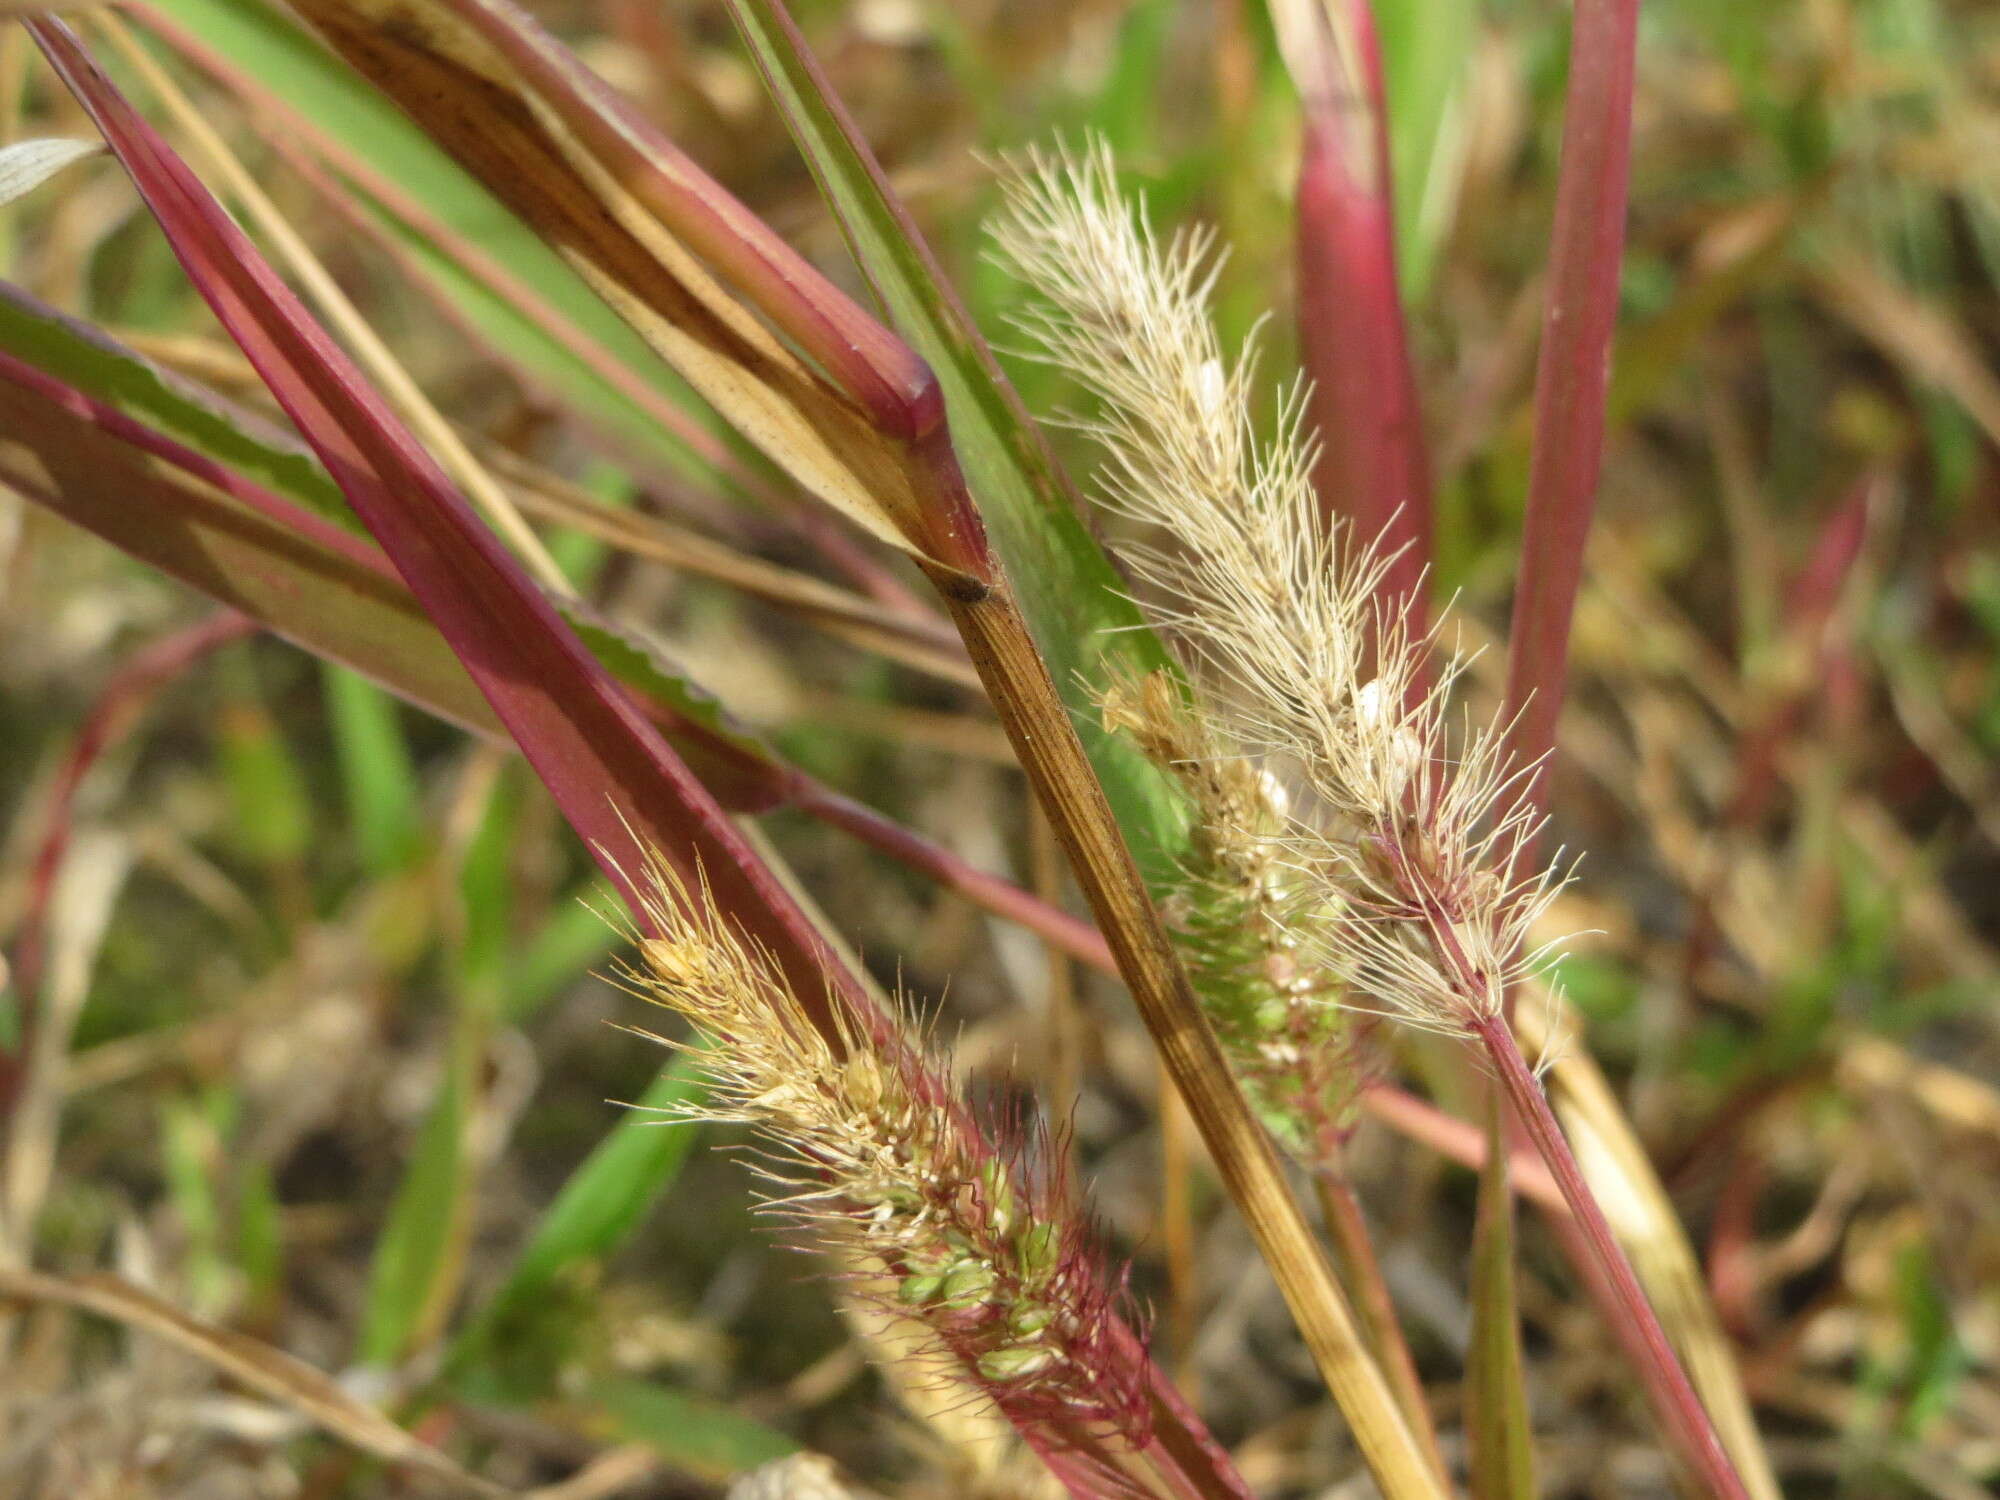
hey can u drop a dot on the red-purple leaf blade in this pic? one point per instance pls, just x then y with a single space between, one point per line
1373 467
1586 251
294 572
614 777
87 428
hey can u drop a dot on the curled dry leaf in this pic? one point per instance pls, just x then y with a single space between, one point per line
26 165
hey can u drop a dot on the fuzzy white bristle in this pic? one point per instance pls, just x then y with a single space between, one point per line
1404 826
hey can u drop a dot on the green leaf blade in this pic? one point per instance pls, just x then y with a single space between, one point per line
414 1248
376 772
596 1213
1074 599
1498 1428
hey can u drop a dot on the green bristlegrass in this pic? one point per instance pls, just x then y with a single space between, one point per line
616 309
1233 908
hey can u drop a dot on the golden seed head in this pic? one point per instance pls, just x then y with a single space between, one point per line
1293 668
872 1158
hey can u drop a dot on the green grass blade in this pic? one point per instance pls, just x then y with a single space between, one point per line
703 1437
1126 110
574 937
419 1258
609 1196
1426 47
1496 1395
375 771
486 895
284 567
273 812
415 1244
260 1239
597 1211
1073 598
191 1160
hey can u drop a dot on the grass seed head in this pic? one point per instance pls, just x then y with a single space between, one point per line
1394 833
1235 910
870 1156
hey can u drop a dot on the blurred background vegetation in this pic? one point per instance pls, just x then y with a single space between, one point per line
330 980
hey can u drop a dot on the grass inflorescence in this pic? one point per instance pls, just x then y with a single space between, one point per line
1394 830
308 1183
1238 908
869 1157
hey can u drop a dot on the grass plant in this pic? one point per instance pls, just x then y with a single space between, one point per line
1143 538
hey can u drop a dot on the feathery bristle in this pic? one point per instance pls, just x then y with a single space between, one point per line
871 1157
1399 834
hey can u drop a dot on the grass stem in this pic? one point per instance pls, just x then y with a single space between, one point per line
1354 1254
1573 374
1667 1386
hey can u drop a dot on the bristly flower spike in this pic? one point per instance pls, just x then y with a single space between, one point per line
1235 907
1407 833
867 1155
1391 830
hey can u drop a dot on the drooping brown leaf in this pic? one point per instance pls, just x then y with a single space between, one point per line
685 264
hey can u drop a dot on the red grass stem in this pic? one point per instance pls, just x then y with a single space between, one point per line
1074 936
1460 1141
1638 1327
1373 470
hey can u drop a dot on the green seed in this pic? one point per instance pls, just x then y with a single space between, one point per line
1029 1321
967 1285
999 1195
919 1289
1015 1364
1039 1250
871 1194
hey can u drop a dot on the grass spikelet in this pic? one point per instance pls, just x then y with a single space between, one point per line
1234 913
1394 826
869 1157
